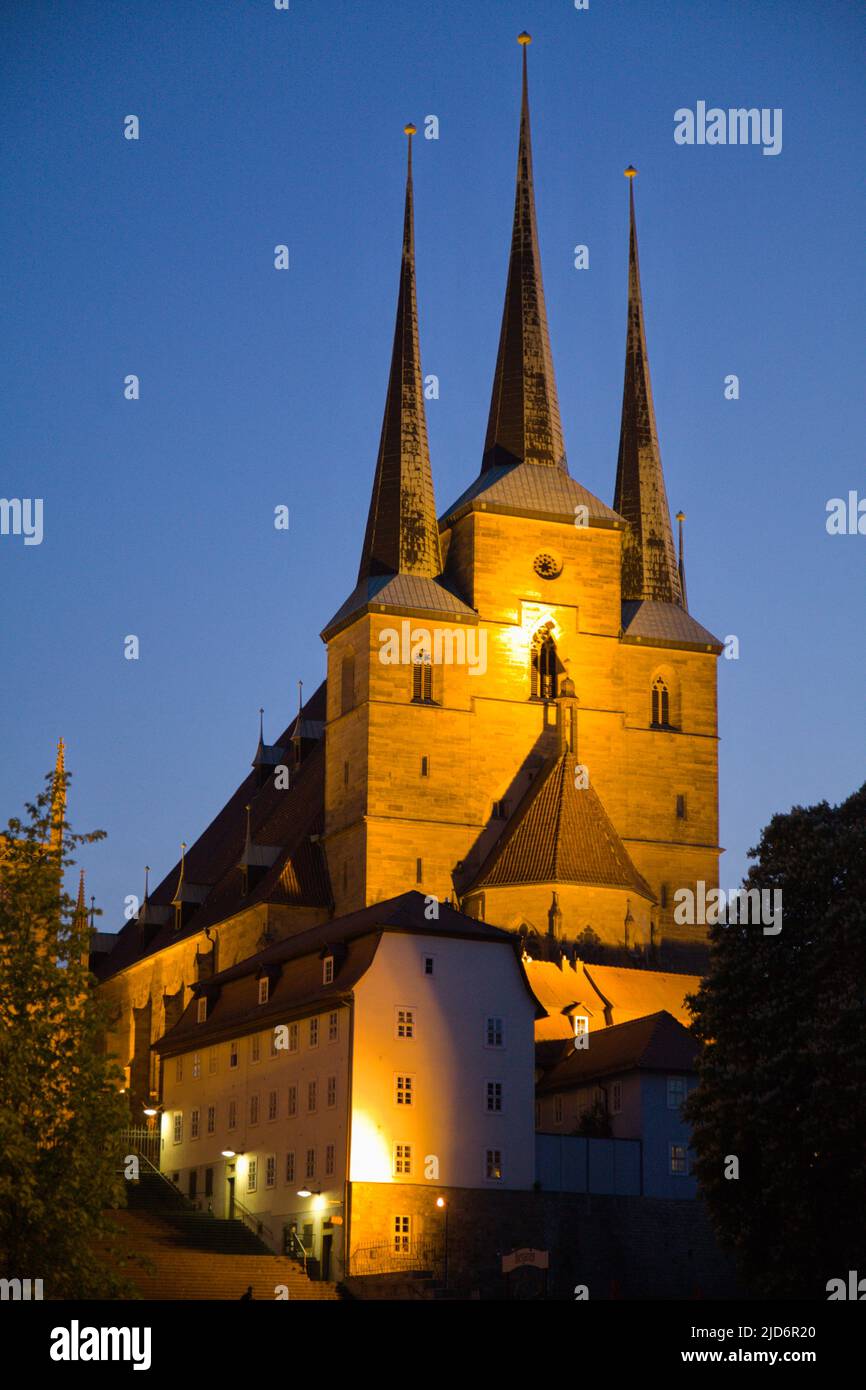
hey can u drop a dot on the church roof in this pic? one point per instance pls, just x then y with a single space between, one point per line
560 833
649 565
528 489
402 594
657 1042
665 625
289 819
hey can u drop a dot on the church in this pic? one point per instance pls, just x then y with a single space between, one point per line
508 770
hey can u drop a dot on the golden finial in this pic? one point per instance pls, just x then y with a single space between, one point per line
630 171
410 129
681 516
524 38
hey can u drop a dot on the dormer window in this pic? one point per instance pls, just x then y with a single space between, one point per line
264 988
328 970
201 1010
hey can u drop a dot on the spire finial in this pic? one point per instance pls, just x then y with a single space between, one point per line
649 567
93 912
409 130
681 566
300 696
146 881
261 723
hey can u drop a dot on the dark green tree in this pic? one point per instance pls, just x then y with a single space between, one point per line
782 1023
61 1106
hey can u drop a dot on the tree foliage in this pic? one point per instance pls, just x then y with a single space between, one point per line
61 1107
782 1023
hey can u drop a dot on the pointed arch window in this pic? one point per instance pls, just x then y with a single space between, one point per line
661 704
422 679
544 666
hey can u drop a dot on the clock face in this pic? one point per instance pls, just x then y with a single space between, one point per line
547 566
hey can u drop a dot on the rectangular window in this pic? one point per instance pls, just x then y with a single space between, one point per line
678 1160
233 1114
178 1126
404 1090
332 1092
290 1166
272 1105
293 1101
178 1069
405 1023
494 1096
252 1175
271 1170
663 896
194 1123
493 1165
681 806
273 1050
201 1010
314 1032
402 1234
328 970
330 1154
402 1160
212 1059
428 965
495 1032
419 871
254 1110
294 1032
677 1091
616 1098
311 1163
425 766
264 984
233 1055
500 810
196 1066
311 1096
255 1048
211 1119
333 1026
557 1110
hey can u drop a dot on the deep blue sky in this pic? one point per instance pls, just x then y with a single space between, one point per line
259 387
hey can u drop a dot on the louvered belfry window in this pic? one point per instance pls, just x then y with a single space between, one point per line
661 707
544 663
422 678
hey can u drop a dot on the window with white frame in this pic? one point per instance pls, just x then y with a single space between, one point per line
314 1032
178 1069
677 1091
178 1126
312 1091
330 1157
233 1114
254 1109
493 1093
404 1089
333 1026
494 1032
255 1048
294 1035
201 1009
290 1166
194 1122
332 1091
233 1055
272 1105
293 1101
402 1160
264 989
311 1163
405 1022
196 1066
271 1170
493 1165
328 970
252 1174
212 1061
616 1098
402 1235
211 1119
679 1166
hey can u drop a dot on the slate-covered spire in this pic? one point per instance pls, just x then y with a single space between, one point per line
402 532
524 424
649 566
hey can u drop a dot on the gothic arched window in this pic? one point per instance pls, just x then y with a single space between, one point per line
422 679
544 664
661 704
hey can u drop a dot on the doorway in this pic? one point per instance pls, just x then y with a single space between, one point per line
327 1242
231 1214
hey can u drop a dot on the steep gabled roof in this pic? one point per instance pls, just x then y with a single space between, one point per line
657 1042
561 833
655 624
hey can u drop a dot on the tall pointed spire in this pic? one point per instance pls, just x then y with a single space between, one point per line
524 424
649 566
402 532
58 798
81 904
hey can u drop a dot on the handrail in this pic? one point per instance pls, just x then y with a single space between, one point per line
296 1239
250 1217
422 1256
143 1158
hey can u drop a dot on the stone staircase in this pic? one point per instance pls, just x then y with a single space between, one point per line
183 1270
